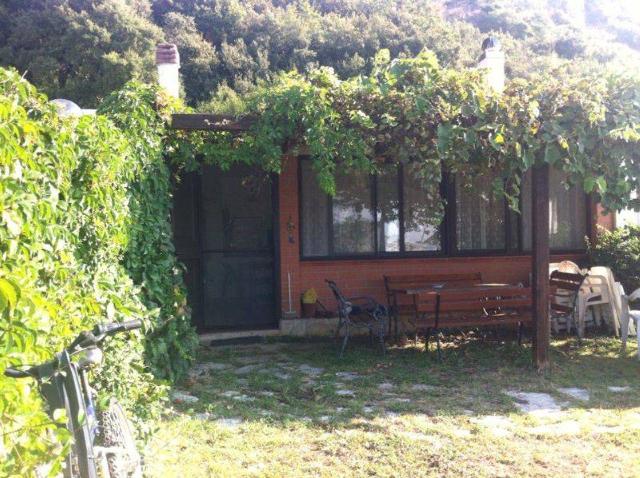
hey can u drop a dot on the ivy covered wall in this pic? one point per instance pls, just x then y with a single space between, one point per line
85 237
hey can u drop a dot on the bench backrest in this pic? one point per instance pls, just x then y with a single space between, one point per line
483 300
407 281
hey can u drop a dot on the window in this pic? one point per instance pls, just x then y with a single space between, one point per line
314 214
388 219
418 205
352 212
567 214
389 214
365 216
480 215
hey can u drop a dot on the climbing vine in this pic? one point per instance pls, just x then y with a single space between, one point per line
85 237
412 110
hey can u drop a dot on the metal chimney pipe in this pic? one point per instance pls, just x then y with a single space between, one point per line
168 64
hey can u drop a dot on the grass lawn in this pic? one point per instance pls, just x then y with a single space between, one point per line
288 409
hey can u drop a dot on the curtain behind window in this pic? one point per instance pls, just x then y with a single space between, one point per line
315 213
419 205
353 224
388 198
567 213
480 215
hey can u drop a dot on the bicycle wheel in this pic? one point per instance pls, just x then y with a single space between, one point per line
116 436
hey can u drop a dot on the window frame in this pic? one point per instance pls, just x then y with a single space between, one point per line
448 231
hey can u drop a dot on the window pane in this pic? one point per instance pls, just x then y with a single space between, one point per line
419 204
353 213
567 213
480 221
388 197
315 214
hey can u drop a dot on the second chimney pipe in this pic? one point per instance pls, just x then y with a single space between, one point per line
168 63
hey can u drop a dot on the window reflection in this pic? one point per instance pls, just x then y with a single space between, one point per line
388 198
419 206
353 213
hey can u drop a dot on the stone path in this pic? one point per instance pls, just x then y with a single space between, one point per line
619 389
179 396
309 370
347 375
562 428
246 369
232 422
576 393
497 425
534 402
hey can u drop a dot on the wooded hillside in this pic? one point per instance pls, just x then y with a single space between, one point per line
83 49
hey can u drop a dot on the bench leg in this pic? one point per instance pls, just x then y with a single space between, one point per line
437 332
381 338
426 339
395 324
345 340
340 325
520 326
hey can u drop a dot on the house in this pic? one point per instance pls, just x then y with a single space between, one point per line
253 243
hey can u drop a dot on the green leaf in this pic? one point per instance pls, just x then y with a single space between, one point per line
9 294
82 417
552 154
60 415
588 184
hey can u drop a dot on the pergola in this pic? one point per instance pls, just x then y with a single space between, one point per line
540 225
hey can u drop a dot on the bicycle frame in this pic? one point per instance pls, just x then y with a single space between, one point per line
67 387
64 384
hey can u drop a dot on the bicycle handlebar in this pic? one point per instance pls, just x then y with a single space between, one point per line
115 327
15 373
84 340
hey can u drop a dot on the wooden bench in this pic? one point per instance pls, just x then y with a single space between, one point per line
401 303
481 306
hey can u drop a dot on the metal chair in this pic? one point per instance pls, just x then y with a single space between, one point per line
359 312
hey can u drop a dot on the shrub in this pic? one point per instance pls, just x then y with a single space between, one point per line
84 237
619 250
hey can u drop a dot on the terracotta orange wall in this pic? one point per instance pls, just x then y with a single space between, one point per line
364 277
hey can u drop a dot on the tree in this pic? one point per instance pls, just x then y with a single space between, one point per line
197 56
95 45
79 50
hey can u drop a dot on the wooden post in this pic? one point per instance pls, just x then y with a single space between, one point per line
540 265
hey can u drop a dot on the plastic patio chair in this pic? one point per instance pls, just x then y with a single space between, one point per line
595 294
359 312
628 315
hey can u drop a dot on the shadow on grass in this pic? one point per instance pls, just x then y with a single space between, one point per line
303 381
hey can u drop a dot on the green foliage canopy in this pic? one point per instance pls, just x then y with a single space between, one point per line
441 119
619 250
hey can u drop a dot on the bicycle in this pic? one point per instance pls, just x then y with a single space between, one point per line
103 442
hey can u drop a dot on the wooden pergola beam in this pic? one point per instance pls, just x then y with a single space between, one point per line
210 122
540 265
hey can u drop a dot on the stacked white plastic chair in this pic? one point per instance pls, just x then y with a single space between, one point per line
599 293
598 301
627 316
